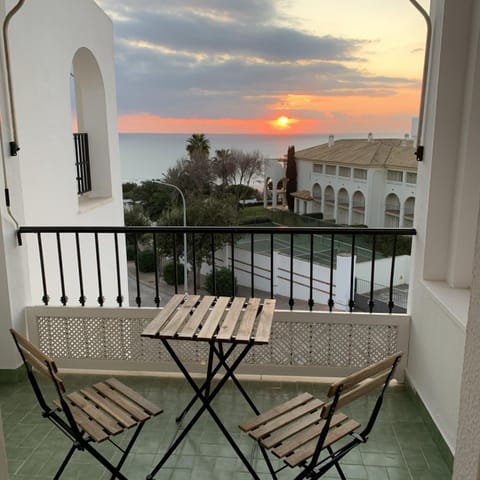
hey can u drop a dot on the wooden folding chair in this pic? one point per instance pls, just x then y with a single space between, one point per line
308 433
91 415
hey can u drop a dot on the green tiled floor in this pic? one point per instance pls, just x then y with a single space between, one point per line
400 448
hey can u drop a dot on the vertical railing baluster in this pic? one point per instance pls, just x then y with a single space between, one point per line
194 263
291 301
214 268
63 298
392 274
175 263
82 299
232 241
331 303
271 266
310 300
157 273
45 298
138 298
351 302
252 265
101 298
117 267
371 303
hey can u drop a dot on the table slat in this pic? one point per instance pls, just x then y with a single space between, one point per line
265 321
176 321
227 328
157 323
248 320
210 326
190 328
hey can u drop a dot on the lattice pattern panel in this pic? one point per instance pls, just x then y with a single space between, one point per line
292 343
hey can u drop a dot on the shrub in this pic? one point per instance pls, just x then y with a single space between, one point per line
169 273
223 281
146 260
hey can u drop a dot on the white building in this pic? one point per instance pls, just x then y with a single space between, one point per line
356 181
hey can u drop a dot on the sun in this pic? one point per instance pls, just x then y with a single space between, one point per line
283 121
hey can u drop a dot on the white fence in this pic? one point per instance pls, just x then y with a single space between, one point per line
304 344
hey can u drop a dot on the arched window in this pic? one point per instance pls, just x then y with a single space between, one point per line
343 206
90 123
329 209
392 211
408 211
358 208
317 198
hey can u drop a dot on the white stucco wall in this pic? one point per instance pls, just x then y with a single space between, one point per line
440 299
43 38
58 33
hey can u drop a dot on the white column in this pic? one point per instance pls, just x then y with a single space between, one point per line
342 280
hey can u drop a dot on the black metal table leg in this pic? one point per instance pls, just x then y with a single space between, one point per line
206 405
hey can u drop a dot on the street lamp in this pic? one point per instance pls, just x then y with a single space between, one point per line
185 258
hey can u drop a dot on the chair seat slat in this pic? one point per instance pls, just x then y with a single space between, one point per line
286 418
288 432
135 397
333 436
104 420
122 417
85 423
308 434
255 422
130 408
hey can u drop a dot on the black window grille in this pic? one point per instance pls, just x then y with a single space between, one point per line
82 162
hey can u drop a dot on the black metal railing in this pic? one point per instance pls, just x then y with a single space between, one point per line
72 259
82 163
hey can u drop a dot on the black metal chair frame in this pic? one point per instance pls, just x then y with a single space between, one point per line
81 441
315 467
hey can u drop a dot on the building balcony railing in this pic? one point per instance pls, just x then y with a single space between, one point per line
298 263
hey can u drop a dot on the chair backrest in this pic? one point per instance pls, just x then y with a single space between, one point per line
360 383
36 361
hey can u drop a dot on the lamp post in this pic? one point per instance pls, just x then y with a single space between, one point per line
185 258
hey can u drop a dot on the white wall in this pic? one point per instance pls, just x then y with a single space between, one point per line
438 304
43 38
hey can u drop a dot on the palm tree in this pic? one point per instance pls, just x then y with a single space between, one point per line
198 145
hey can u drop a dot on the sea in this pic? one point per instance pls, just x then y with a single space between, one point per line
146 156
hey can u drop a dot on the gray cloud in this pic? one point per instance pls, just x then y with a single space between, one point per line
226 58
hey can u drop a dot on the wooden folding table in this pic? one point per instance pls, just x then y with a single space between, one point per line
228 326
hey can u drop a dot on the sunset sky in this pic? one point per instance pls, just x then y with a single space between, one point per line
267 66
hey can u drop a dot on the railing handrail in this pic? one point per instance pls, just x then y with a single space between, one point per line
214 229
203 244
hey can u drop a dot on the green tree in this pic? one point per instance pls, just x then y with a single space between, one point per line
198 145
201 211
223 164
291 174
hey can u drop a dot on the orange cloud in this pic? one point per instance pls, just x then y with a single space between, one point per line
309 114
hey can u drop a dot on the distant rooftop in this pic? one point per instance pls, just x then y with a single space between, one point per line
382 152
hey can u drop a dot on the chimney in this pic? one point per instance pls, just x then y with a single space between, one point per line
370 136
331 140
